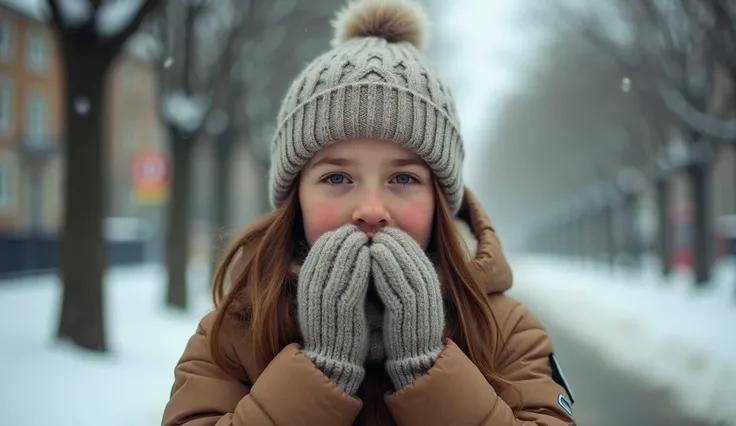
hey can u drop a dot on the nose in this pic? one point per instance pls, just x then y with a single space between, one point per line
370 214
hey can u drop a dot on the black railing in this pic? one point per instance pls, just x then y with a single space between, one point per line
26 253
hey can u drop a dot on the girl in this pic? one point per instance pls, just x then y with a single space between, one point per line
373 293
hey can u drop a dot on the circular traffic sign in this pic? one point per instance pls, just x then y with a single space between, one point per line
150 168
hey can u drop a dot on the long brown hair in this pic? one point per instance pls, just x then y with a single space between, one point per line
261 296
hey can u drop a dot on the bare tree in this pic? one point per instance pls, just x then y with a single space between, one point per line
639 57
567 125
291 34
713 33
196 38
261 67
91 36
675 50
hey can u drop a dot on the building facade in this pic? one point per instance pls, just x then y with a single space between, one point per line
31 122
32 119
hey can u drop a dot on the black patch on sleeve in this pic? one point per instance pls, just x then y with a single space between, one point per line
559 377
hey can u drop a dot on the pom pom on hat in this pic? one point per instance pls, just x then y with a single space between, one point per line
393 20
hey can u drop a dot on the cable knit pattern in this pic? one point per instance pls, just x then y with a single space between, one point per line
369 88
331 294
414 320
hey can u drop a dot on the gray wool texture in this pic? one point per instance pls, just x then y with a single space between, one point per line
374 314
333 282
368 88
414 320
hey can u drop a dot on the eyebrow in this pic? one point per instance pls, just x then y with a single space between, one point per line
344 162
333 161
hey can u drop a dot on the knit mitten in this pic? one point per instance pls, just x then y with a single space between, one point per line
333 282
414 319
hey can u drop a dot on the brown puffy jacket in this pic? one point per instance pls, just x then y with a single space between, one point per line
292 391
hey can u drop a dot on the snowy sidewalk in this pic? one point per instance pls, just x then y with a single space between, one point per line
661 331
665 332
47 383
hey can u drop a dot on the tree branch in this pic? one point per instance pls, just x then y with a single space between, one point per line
147 7
56 15
700 122
220 74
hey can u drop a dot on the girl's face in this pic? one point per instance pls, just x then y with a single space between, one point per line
371 183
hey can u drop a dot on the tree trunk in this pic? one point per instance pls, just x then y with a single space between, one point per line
632 242
573 239
665 224
568 239
577 246
585 236
731 247
594 237
609 247
86 59
265 201
224 144
83 249
177 232
596 234
703 234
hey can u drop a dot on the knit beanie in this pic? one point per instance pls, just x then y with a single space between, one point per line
375 83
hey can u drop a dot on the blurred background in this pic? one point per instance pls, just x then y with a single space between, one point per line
134 143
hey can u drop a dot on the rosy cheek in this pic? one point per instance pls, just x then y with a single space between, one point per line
322 216
417 220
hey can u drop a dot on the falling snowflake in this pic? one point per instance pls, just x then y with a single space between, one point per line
81 105
168 62
625 84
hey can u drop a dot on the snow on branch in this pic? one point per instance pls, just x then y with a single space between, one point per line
185 113
114 17
75 13
111 19
34 8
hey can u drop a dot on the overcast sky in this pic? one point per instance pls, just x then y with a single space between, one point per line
482 48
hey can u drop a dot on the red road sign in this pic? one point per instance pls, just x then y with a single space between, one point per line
150 168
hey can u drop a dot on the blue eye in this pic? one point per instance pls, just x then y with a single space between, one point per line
403 179
336 179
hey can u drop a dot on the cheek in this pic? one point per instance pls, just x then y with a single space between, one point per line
322 216
416 220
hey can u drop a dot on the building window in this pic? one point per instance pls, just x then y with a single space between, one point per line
6 182
38 52
5 187
37 118
6 40
6 105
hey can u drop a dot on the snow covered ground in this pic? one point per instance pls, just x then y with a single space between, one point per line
671 336
666 332
46 383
